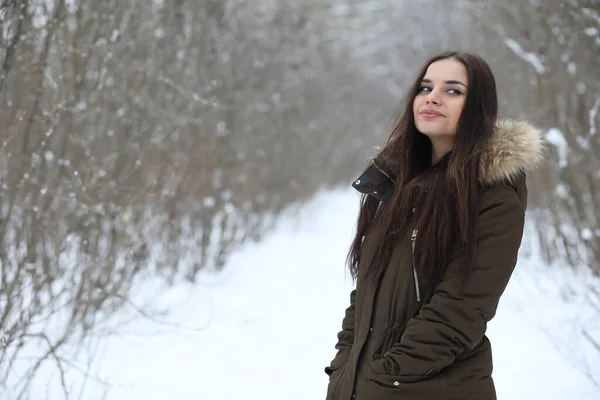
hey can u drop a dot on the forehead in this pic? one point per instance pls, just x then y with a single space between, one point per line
446 70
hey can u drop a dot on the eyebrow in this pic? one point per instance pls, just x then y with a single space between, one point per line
450 82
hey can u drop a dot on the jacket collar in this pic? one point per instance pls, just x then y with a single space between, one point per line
516 147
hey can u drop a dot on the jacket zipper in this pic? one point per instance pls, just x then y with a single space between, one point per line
413 238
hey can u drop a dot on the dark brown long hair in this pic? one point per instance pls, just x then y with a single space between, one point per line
443 197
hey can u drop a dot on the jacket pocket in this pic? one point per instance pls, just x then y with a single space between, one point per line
392 387
391 335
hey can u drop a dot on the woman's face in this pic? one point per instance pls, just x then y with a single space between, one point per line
440 100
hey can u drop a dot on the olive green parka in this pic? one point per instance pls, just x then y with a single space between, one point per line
401 342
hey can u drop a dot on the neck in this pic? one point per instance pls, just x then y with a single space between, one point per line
440 147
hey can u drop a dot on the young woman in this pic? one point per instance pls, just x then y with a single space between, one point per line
439 229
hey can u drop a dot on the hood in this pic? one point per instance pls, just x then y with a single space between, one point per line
515 148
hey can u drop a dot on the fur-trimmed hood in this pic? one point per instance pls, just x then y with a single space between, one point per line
515 147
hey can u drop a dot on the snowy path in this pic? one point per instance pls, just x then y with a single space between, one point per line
270 324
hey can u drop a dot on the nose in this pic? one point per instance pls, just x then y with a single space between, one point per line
433 98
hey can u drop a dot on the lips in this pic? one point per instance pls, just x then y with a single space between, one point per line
431 114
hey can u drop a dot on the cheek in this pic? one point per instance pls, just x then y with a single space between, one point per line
462 104
416 105
457 111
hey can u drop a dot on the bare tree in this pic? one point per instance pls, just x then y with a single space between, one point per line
146 139
560 42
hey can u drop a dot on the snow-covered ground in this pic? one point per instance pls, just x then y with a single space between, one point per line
265 328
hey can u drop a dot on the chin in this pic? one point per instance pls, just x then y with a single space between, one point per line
436 134
431 127
430 131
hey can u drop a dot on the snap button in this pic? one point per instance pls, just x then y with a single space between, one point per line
396 383
357 182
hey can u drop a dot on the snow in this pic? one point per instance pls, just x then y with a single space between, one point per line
265 328
555 137
591 13
529 57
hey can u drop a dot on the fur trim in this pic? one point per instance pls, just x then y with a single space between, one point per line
515 147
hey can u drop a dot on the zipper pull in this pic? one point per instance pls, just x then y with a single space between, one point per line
414 235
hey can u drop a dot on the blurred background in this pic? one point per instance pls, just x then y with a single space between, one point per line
149 141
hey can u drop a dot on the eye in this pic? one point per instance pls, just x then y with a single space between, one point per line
424 89
454 91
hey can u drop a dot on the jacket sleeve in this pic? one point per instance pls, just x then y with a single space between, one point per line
456 317
345 338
